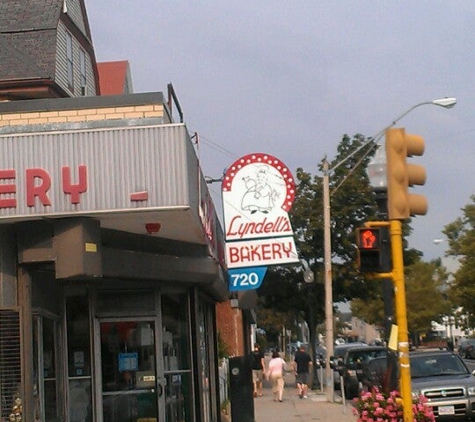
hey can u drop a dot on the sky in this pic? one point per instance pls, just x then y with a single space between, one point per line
291 78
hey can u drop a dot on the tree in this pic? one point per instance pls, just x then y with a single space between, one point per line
291 299
425 298
352 203
461 237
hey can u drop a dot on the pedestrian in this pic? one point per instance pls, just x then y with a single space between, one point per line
258 368
275 373
302 364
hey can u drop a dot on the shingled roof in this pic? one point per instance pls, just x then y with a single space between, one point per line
24 15
28 44
28 38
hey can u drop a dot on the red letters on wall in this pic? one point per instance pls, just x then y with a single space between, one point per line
38 183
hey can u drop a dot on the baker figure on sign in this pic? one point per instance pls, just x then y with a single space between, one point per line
260 195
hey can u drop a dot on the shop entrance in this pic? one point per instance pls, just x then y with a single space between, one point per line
131 388
142 358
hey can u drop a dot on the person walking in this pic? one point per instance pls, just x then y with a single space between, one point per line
258 368
275 373
302 364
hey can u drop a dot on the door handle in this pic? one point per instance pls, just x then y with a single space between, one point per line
160 384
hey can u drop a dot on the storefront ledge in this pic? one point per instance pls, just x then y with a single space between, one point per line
149 266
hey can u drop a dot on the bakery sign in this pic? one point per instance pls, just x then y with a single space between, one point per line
258 191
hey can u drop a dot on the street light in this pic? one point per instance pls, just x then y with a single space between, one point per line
442 102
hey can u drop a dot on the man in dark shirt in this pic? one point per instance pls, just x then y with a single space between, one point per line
302 364
258 367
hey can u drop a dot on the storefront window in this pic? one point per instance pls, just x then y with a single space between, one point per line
128 371
79 358
44 369
176 356
205 330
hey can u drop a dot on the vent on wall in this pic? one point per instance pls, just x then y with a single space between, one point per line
10 363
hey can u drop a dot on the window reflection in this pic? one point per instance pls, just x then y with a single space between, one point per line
176 356
128 371
79 358
44 368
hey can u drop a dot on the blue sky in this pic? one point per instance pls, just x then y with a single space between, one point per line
291 78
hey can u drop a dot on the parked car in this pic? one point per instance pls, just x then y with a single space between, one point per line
338 354
441 376
352 366
466 348
374 374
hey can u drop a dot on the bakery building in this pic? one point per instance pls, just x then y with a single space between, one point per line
111 264
111 254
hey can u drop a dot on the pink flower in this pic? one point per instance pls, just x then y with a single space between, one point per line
376 406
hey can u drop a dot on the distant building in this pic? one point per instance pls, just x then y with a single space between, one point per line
115 78
355 329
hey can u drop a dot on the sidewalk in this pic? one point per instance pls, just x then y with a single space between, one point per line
294 409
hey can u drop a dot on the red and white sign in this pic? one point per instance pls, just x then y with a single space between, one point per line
255 253
258 192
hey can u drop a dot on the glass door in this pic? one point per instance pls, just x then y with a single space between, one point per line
45 368
176 358
130 387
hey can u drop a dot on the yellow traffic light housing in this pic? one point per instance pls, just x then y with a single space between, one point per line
401 175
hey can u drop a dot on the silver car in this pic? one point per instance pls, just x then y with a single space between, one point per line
441 376
444 379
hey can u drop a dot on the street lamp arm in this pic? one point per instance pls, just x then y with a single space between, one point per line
365 144
447 102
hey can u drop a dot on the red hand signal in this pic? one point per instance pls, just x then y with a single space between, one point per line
368 239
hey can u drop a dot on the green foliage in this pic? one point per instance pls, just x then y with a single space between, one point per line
370 309
352 203
425 299
461 237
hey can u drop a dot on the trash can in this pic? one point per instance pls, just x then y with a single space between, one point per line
241 389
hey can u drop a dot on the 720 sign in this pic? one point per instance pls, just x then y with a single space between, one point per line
246 278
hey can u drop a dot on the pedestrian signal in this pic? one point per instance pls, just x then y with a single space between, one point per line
374 252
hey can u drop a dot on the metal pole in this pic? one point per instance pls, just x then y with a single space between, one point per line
401 318
328 283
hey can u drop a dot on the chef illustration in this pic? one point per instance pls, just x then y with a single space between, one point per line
260 195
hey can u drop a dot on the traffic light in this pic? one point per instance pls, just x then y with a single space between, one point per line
401 175
374 250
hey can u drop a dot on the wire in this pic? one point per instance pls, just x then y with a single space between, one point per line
354 168
216 146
